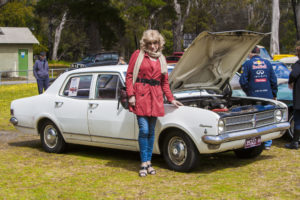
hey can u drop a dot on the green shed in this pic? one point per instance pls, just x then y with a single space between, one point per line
16 51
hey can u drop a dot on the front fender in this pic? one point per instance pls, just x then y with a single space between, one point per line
195 122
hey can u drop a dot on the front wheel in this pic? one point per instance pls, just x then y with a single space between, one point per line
179 151
51 139
290 131
249 153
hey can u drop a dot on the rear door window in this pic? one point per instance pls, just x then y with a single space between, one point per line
107 86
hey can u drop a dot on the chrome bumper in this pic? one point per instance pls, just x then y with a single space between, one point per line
226 137
14 121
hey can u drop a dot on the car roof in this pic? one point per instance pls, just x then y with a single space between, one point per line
117 68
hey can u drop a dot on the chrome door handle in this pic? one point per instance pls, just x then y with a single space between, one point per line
58 104
93 105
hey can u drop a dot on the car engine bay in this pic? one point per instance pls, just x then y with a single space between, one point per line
228 105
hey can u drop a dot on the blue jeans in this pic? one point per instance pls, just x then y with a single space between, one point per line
43 84
146 136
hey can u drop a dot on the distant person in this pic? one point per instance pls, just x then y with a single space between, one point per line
146 81
41 72
258 79
294 84
121 61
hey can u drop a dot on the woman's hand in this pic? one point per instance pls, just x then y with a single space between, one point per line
291 85
176 103
131 101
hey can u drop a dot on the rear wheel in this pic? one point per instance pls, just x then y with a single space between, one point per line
51 138
179 151
250 152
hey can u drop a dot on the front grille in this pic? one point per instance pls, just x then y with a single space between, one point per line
249 121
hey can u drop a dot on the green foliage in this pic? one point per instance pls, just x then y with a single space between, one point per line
120 23
17 14
168 35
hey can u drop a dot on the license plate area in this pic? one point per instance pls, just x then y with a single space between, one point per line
252 142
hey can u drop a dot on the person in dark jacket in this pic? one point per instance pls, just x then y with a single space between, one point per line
41 72
146 81
258 79
294 84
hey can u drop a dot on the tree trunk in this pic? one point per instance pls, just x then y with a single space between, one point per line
298 20
152 17
50 33
274 45
296 17
94 38
3 2
58 35
178 25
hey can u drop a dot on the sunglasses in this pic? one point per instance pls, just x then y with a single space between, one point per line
152 42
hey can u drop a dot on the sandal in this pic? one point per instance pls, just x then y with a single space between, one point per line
152 172
143 171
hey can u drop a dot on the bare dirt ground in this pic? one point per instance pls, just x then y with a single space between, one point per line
7 137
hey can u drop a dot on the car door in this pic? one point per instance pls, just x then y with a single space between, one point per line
109 122
71 107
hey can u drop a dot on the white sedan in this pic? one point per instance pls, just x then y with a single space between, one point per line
82 107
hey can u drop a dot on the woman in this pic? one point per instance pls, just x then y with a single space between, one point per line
146 81
294 84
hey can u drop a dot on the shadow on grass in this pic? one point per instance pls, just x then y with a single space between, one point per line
28 143
130 161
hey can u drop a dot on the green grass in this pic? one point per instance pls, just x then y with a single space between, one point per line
9 93
27 172
59 64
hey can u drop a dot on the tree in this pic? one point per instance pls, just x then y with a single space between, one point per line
22 16
296 11
55 11
182 11
3 2
274 44
102 21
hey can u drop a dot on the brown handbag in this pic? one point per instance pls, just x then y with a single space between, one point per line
123 98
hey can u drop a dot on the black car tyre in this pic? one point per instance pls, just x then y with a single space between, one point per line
290 131
179 151
250 152
51 138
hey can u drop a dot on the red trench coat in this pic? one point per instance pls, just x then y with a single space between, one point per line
149 99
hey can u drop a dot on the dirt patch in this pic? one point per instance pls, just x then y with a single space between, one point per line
7 137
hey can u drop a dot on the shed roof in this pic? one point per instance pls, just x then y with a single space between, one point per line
17 35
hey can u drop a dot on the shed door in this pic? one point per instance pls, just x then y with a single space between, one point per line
23 62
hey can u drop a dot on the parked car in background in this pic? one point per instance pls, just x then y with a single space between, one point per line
82 107
174 58
278 57
104 58
179 53
289 61
281 70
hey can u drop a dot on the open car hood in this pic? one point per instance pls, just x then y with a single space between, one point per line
212 60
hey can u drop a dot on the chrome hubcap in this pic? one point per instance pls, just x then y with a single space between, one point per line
50 136
177 150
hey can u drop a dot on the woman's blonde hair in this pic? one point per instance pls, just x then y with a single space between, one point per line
150 36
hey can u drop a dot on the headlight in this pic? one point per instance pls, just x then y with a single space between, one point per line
278 115
221 126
